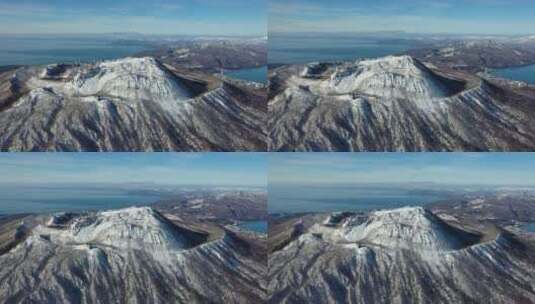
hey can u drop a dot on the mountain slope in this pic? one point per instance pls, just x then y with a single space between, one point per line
401 256
131 104
132 255
394 104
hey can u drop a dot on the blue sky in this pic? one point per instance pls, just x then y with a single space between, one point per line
255 169
443 168
203 17
219 169
418 16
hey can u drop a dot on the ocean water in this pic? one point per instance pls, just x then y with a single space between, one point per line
285 49
525 73
302 198
16 200
255 74
26 50
256 226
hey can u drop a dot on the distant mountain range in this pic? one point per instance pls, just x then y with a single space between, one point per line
477 55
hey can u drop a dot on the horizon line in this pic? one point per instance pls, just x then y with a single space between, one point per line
137 33
402 32
398 183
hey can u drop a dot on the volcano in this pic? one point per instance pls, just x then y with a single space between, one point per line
133 255
395 103
129 104
406 255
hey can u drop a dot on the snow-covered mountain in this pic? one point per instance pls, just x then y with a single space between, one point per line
409 228
132 104
394 103
131 78
127 228
389 77
132 255
406 255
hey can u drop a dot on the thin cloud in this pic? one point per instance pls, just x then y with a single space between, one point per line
169 168
417 16
202 17
454 168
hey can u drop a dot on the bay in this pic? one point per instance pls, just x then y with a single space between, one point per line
254 74
524 73
256 226
529 227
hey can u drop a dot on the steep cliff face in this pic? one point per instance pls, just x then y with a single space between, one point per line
131 104
394 104
130 255
406 255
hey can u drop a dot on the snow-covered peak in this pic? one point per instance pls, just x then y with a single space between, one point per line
390 77
137 78
137 227
409 227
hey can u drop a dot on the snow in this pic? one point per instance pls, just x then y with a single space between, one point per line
137 227
121 80
383 80
139 78
389 77
410 227
407 228
130 227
